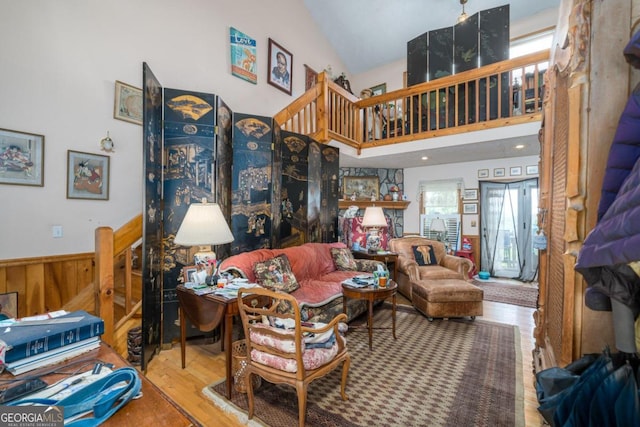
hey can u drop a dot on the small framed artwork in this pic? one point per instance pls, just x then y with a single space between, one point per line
483 173
128 103
379 89
469 208
310 77
470 194
188 273
21 158
361 187
280 67
8 305
532 170
243 56
498 172
515 171
87 176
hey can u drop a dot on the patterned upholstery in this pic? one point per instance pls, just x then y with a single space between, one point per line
352 231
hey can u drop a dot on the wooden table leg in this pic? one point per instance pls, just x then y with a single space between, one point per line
393 316
228 328
370 322
183 334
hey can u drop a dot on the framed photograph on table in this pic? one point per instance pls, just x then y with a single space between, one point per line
87 176
188 273
127 105
280 67
361 187
469 208
21 158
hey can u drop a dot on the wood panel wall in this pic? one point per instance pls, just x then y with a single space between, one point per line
46 283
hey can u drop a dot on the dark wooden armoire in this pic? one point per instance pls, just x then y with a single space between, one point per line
587 86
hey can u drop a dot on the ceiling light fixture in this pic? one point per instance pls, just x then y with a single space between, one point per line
463 16
425 158
519 147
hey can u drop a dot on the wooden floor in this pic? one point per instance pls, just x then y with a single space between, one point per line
205 364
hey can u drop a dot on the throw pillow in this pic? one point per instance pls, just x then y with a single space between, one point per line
343 259
276 274
424 255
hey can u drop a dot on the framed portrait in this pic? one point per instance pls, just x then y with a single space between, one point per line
361 187
379 89
469 208
188 273
498 172
128 103
483 173
21 158
8 305
310 77
280 67
532 170
470 194
87 176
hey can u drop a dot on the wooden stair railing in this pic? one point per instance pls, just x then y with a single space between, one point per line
445 106
112 246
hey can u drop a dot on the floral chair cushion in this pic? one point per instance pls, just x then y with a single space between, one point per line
276 274
343 259
311 359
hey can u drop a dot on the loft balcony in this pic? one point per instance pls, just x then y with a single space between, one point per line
505 93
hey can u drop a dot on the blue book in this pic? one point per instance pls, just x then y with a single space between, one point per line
32 337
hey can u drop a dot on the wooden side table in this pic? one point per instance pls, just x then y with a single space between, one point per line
387 257
372 294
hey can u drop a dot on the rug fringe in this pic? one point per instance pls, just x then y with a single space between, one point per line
230 408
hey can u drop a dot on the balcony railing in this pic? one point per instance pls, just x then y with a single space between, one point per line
501 94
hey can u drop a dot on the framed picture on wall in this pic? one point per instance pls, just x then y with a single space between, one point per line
21 158
515 171
127 105
469 208
532 170
87 176
470 194
483 173
361 187
379 89
310 77
280 67
8 305
498 172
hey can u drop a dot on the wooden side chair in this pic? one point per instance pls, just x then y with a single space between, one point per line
279 346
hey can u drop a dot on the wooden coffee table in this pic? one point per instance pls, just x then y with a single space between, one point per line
372 294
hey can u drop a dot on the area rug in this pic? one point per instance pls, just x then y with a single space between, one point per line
509 294
443 373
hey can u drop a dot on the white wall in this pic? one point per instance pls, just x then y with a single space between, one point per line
59 61
469 173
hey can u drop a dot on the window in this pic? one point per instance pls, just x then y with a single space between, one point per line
440 199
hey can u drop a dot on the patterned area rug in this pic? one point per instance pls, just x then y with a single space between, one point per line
443 373
509 294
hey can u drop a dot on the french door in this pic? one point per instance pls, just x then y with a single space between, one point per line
508 222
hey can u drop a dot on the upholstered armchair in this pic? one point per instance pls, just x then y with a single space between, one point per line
438 264
283 350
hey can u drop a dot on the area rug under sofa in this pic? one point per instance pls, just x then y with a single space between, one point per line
442 373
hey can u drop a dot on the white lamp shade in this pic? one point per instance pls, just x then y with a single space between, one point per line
438 225
374 217
204 224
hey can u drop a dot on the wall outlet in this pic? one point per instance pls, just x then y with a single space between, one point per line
56 231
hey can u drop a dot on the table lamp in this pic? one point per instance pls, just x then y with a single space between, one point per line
203 225
373 220
440 228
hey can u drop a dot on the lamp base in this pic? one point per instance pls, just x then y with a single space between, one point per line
205 256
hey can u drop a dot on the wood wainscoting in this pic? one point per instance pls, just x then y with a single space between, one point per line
46 283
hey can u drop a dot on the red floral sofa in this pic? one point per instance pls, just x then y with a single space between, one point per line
319 294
